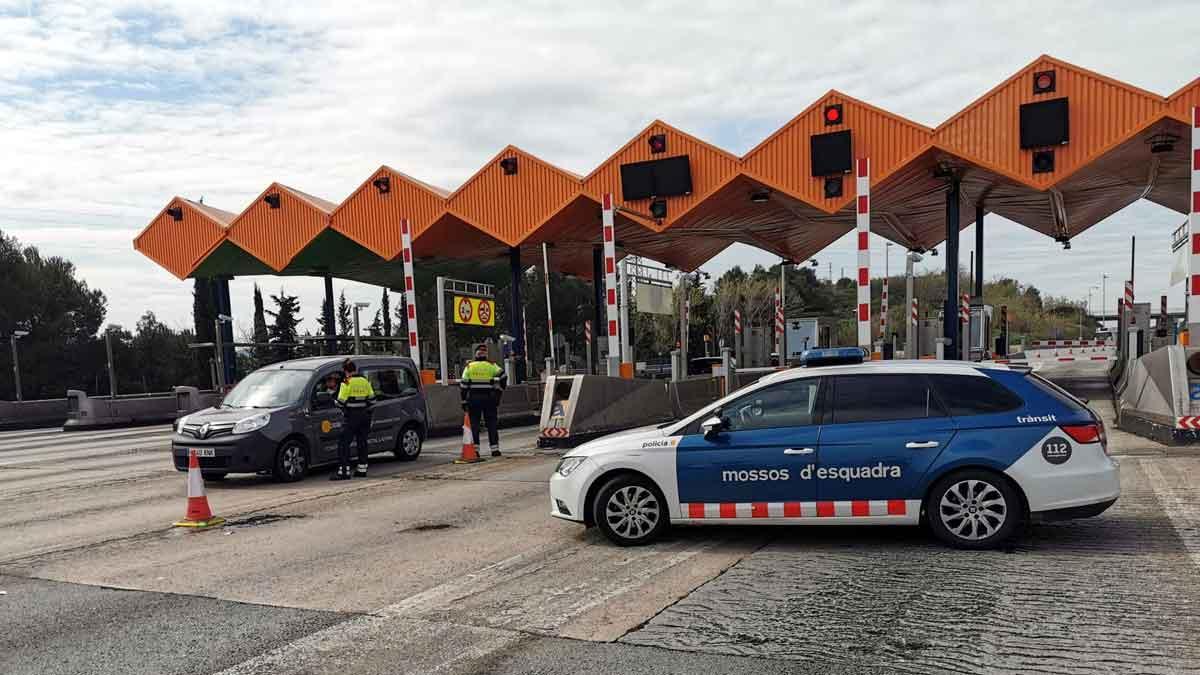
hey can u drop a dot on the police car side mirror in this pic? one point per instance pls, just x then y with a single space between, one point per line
712 426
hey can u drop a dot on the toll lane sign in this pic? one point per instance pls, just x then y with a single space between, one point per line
474 311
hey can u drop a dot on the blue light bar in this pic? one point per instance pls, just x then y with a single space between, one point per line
832 356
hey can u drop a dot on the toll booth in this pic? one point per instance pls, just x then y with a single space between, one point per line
980 331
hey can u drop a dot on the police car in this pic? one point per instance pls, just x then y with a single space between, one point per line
969 449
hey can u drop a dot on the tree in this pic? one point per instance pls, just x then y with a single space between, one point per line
326 310
261 352
286 318
345 322
386 306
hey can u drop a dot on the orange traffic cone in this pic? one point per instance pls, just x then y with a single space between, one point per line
198 513
469 456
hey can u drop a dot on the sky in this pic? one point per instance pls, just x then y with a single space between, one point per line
108 108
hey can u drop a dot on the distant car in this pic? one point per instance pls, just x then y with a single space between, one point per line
971 450
279 420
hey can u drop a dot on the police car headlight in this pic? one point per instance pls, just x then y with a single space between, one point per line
253 423
568 464
179 424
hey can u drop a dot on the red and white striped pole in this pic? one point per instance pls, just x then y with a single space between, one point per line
1193 298
737 335
965 319
410 294
911 352
737 322
779 326
863 186
610 281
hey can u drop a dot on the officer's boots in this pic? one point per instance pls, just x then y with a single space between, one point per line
360 471
495 451
342 473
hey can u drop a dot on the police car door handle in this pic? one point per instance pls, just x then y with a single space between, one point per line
798 451
913 445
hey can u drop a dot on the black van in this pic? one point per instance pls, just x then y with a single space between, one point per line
281 419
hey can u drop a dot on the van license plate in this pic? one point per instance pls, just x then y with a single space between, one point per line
205 452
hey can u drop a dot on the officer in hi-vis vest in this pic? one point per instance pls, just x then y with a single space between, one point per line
481 384
355 397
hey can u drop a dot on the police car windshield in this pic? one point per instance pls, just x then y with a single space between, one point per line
268 389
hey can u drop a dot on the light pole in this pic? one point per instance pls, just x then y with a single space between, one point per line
1103 292
1088 309
221 318
12 339
112 364
357 339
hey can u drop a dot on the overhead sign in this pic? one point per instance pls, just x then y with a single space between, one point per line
655 299
474 311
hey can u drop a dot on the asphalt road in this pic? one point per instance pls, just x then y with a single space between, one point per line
432 567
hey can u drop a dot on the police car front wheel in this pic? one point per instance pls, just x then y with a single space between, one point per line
630 511
973 509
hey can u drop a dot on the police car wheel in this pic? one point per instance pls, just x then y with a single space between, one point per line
630 511
291 462
408 444
973 509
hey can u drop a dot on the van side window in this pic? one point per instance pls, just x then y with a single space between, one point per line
383 381
405 379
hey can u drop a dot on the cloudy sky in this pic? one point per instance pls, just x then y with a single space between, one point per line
108 108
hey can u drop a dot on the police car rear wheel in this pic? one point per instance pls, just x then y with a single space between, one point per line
973 509
630 511
291 462
408 444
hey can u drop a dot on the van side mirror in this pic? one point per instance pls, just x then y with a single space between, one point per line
712 426
323 399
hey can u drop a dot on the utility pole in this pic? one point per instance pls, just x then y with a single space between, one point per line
17 335
112 367
549 313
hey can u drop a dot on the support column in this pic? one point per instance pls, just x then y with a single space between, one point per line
598 300
221 301
978 271
1193 298
410 298
910 324
863 184
950 308
549 309
517 323
330 322
609 237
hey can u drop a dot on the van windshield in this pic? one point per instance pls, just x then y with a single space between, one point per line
268 389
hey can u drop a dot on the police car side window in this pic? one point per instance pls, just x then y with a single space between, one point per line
787 404
974 395
882 398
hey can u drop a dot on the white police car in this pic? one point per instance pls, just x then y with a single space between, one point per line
973 450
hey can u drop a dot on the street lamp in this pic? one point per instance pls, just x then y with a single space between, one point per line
1103 292
12 339
357 340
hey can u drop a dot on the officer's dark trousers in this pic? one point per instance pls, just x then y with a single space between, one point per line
356 426
484 405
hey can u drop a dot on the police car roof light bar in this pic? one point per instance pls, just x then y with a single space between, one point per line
833 356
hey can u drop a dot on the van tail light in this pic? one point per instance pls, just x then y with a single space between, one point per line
1084 433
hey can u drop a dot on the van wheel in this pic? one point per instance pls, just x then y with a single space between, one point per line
408 443
291 461
973 509
630 511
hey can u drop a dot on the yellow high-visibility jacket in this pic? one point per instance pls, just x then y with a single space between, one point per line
356 393
482 375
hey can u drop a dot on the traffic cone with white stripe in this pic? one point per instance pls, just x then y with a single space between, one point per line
469 454
198 513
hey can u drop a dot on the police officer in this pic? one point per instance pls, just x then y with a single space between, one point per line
355 397
481 385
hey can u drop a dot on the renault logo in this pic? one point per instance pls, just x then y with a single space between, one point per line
204 430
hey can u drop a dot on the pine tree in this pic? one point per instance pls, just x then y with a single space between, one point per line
386 312
262 353
345 323
287 318
326 310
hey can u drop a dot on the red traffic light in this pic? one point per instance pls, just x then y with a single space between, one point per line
833 114
1043 82
658 143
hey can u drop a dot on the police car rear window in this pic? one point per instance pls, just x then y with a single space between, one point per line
965 395
1057 393
882 398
